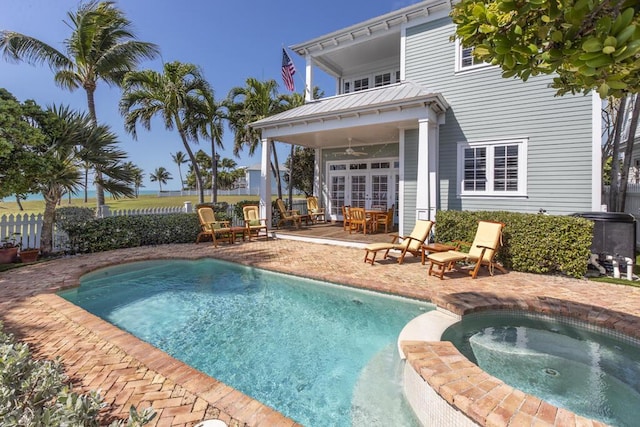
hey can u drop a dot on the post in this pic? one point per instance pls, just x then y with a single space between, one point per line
187 207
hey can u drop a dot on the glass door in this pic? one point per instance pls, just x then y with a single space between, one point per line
359 193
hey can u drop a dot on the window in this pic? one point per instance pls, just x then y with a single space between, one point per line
382 79
347 87
465 59
496 168
361 84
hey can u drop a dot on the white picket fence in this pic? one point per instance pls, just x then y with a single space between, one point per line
27 228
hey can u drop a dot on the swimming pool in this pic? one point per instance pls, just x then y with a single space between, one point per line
321 354
570 364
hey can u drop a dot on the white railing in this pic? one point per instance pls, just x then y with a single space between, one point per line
147 211
24 228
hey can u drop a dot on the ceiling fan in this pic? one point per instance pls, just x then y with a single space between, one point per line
351 152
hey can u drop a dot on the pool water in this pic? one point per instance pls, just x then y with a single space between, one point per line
590 373
321 354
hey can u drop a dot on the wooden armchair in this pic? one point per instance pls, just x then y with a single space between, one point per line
358 220
314 210
253 222
346 218
211 227
385 219
292 216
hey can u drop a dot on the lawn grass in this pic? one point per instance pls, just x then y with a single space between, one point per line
141 202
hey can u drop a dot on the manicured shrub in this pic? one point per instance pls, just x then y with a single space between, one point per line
532 243
38 393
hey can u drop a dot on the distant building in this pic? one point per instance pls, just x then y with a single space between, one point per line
250 184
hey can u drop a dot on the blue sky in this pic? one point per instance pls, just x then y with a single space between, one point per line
230 41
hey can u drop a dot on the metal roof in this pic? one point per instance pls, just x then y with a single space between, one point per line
380 99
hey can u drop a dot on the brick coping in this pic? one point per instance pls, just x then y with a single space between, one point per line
487 400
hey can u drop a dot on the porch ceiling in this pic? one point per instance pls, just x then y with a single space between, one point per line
367 117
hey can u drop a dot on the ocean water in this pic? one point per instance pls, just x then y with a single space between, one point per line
80 195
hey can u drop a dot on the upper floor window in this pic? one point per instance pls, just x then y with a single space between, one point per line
372 80
494 168
465 59
382 79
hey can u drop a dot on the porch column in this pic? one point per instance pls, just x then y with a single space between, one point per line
308 86
318 178
265 181
426 198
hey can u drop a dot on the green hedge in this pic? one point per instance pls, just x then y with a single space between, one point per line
130 231
532 243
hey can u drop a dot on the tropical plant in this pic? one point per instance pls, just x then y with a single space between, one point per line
208 119
180 159
300 166
102 46
136 175
172 94
255 101
161 176
587 45
72 140
21 146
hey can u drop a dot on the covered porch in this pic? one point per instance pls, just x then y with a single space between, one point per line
361 149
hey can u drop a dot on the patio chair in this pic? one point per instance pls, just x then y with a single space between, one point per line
346 218
359 219
211 227
253 222
385 219
314 210
483 251
412 243
292 216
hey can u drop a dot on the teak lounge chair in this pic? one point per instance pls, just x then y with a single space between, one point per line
292 216
412 243
483 250
314 210
253 222
211 227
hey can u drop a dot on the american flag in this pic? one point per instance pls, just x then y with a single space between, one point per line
288 70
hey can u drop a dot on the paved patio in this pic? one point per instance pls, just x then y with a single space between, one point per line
128 372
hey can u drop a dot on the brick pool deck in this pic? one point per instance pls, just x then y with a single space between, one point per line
97 355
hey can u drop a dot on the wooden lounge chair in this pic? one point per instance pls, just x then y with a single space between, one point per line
314 210
253 222
211 227
292 216
483 251
412 243
346 218
359 219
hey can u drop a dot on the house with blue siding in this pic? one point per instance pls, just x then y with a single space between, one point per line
417 123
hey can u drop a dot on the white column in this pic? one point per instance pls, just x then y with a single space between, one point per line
317 174
308 90
426 196
265 181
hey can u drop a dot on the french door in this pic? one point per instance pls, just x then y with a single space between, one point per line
362 184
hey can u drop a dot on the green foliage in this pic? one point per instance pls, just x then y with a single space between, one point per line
38 393
532 243
131 231
589 44
301 175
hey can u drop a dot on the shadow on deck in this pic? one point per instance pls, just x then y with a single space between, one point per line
332 232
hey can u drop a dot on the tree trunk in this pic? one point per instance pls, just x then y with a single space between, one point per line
290 169
46 236
196 169
214 171
86 185
19 202
628 152
90 88
276 170
614 189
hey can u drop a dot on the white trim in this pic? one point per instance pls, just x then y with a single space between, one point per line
596 152
401 166
459 69
522 168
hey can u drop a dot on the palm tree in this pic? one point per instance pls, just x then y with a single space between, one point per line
173 95
209 121
102 46
136 175
292 101
73 141
248 104
180 159
161 175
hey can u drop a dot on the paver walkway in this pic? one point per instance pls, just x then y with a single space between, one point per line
97 355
